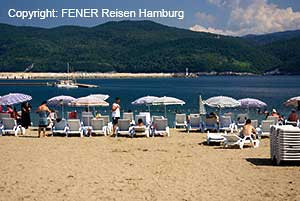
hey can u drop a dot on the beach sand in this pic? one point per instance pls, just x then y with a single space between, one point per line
180 167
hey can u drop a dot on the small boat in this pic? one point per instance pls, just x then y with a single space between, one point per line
68 84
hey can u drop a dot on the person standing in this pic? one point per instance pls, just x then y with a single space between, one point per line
25 115
43 112
116 113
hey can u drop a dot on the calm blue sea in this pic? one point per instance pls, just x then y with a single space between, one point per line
273 90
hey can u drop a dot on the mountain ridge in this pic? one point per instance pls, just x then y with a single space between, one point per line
130 46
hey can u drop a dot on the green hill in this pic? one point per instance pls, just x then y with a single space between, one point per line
130 46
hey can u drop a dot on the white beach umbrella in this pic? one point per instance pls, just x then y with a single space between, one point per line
14 98
146 100
61 101
295 101
165 100
100 96
222 102
89 101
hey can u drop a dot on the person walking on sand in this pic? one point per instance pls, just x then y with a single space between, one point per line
116 113
43 112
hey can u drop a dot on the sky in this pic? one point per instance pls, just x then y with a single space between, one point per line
227 17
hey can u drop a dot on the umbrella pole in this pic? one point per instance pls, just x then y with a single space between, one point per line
62 111
165 111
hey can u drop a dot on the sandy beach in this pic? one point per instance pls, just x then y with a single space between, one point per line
180 167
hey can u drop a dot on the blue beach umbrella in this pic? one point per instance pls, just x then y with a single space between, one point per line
14 98
61 101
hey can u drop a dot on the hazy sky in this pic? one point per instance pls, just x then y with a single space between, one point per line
232 17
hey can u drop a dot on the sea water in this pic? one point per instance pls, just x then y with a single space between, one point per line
273 90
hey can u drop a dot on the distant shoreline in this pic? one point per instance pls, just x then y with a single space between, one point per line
97 75
78 75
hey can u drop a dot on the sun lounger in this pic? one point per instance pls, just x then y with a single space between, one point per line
98 127
129 115
86 120
124 128
60 127
4 115
265 128
241 119
271 118
210 124
284 144
292 123
194 124
107 123
180 120
148 117
141 130
74 127
226 124
142 117
161 127
86 114
9 125
154 118
254 123
234 140
215 137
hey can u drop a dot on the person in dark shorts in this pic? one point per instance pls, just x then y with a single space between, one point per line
43 112
116 113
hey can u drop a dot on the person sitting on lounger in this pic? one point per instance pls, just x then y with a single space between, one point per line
249 130
140 122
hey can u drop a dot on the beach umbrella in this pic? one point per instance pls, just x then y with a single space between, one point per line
146 100
252 103
14 98
295 102
165 100
202 110
100 96
61 101
222 102
89 101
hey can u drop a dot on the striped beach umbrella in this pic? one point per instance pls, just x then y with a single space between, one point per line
14 98
61 101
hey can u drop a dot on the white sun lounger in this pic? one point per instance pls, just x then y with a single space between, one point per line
226 124
124 128
129 115
9 125
234 140
98 127
60 127
194 124
265 128
74 127
180 120
107 123
215 137
161 127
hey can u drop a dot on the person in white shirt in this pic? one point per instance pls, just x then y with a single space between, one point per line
116 113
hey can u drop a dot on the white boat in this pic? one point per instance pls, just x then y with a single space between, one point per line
68 84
